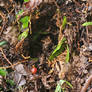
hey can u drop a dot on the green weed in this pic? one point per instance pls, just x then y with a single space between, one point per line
57 51
59 86
3 72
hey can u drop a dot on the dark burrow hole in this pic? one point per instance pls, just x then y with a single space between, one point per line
41 28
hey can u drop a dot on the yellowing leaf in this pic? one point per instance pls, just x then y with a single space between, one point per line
24 34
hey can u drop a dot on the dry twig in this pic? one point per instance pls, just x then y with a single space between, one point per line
88 81
5 57
19 44
19 62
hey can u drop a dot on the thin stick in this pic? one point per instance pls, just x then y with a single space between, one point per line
5 57
88 81
19 62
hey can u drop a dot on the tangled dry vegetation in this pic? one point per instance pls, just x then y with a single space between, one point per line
44 46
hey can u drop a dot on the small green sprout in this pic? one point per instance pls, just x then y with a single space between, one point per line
59 85
3 72
58 50
64 22
62 45
25 26
11 82
25 23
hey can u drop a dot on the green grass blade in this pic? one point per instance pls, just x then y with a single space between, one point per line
58 88
3 43
64 22
58 50
87 24
61 82
69 84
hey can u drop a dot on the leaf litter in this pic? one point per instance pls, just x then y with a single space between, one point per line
50 23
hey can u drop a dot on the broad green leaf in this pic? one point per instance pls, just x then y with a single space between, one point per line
87 24
64 22
23 35
19 13
25 19
11 82
3 43
58 50
3 72
25 25
26 0
67 55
